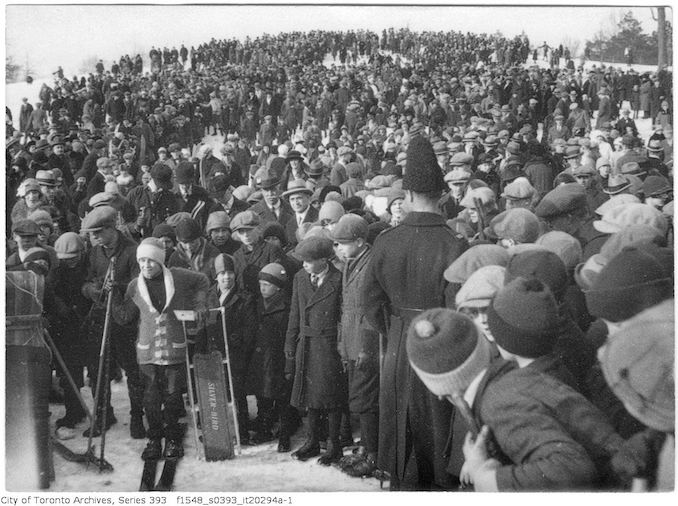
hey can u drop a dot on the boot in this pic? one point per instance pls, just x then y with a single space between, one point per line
332 455
110 420
363 467
174 449
308 450
284 444
136 427
153 450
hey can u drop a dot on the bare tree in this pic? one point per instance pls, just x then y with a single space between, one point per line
572 44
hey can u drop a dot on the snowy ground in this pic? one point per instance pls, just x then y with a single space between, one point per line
258 469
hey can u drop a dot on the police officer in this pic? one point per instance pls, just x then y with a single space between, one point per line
405 277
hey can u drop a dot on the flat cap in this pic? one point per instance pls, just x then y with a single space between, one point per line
457 175
517 224
562 199
518 189
245 219
99 218
349 228
69 245
461 159
25 228
314 248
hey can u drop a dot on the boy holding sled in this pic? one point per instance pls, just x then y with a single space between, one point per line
153 297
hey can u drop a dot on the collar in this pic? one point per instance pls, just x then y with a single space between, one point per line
423 219
472 389
169 289
322 275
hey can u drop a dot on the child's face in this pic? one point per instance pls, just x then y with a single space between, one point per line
226 280
267 289
346 250
315 266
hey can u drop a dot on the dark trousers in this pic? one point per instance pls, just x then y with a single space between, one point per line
75 367
122 352
163 399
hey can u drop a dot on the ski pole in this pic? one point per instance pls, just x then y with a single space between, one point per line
102 351
230 379
191 397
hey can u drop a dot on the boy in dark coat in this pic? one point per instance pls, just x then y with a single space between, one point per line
241 321
311 339
267 368
358 344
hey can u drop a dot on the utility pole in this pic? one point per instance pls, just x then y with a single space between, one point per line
661 36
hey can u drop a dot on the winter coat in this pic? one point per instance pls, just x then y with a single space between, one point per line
355 334
554 437
161 339
319 381
249 263
266 376
405 277
266 215
241 321
291 226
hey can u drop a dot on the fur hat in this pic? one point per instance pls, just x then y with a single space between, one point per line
151 248
638 364
422 174
446 350
523 318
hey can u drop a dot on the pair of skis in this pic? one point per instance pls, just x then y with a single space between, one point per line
166 481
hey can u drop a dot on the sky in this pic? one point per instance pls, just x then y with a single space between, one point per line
51 35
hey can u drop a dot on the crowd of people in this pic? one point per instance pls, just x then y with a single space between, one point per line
469 257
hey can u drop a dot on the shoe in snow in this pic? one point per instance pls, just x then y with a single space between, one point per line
308 450
153 450
174 449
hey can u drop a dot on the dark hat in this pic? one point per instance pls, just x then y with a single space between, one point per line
224 263
423 174
297 186
314 248
221 183
268 178
41 144
523 318
294 155
628 141
446 350
512 171
164 230
316 168
36 253
99 144
563 199
99 218
185 173
188 230
544 265
274 273
162 175
639 277
26 228
656 185
245 219
274 229
349 228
